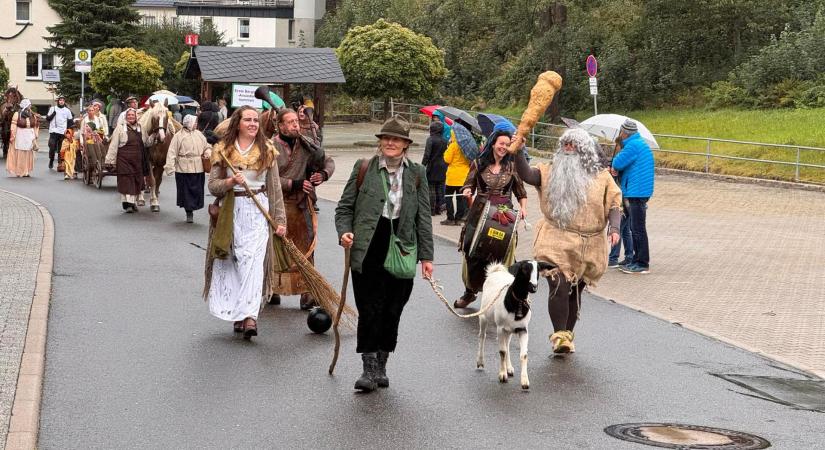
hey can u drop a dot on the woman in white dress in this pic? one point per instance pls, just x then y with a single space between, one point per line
25 126
240 240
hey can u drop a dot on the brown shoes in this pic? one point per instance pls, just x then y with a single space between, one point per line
307 302
250 328
465 300
238 326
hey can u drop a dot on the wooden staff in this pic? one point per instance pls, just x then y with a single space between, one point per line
340 310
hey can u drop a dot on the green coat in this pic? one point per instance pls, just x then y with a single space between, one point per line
358 211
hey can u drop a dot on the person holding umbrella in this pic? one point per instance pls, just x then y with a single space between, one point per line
436 166
458 166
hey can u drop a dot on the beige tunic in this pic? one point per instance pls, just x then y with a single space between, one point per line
185 152
580 250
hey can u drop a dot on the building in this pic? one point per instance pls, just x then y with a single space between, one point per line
23 45
244 23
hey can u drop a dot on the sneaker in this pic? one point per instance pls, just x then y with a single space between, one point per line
635 268
611 264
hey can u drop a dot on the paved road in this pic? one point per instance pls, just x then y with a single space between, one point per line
135 361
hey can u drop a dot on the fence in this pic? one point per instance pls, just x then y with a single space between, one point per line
701 154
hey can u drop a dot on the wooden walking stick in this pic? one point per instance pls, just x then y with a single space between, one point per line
317 284
340 310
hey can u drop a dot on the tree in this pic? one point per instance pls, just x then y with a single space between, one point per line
166 42
4 74
122 71
92 24
387 60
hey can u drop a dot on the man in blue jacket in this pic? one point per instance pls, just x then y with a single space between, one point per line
635 162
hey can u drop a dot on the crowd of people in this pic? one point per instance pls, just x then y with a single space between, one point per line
265 188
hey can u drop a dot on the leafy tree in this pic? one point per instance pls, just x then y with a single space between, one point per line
4 74
121 71
387 60
166 42
92 24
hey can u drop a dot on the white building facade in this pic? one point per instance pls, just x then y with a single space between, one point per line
23 46
244 23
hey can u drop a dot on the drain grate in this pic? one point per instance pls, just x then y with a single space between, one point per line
672 435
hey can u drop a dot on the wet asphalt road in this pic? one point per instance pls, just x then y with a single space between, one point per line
134 360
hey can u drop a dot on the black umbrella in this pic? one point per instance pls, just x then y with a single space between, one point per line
460 114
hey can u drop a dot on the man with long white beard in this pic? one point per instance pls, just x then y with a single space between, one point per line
578 200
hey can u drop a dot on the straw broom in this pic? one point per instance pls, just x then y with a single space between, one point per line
318 285
541 95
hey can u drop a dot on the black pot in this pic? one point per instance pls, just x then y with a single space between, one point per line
319 320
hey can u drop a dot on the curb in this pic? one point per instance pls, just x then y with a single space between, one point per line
743 180
25 414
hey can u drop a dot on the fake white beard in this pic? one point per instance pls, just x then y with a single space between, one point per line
567 192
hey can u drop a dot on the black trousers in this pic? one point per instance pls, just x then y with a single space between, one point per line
55 141
564 302
379 296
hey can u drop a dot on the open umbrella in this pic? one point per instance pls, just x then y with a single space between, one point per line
571 123
163 98
607 126
487 122
184 100
276 100
460 114
429 110
465 141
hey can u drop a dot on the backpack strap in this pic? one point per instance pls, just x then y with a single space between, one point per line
362 172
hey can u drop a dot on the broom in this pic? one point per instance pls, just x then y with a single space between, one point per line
318 285
541 95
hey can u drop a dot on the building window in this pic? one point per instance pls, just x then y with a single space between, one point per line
243 28
47 61
24 12
206 22
149 20
290 34
33 65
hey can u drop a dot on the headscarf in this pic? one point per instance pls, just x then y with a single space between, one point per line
25 108
25 103
189 122
447 129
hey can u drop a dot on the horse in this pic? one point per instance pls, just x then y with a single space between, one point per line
269 122
11 104
157 129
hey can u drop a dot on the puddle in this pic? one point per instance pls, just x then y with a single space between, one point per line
804 394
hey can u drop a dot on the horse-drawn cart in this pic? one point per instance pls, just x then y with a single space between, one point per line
94 162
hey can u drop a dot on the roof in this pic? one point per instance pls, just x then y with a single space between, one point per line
266 65
154 3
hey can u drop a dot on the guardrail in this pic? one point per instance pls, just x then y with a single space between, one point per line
794 157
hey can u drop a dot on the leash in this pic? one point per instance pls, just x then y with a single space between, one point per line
437 290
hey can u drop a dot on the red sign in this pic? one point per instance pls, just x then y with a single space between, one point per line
192 40
592 66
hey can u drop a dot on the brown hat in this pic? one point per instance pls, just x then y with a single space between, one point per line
396 126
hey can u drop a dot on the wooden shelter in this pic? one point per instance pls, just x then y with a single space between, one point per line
267 66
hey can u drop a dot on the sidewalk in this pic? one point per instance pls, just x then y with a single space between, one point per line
21 241
739 262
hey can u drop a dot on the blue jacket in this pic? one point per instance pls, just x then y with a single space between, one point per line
635 164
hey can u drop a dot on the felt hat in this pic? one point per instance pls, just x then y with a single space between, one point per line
396 126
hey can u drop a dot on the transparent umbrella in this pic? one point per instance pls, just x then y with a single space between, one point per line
607 126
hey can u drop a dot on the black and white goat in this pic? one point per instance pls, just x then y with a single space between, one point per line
509 289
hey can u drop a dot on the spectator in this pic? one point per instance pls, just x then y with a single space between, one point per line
624 228
635 163
436 166
458 166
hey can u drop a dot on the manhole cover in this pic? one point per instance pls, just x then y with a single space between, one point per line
672 435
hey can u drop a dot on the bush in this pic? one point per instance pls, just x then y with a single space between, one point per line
4 74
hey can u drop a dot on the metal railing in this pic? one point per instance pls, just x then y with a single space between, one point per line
795 157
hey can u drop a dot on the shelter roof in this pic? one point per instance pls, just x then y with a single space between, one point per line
265 65
154 3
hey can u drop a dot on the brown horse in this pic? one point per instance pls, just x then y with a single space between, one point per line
269 122
158 130
11 105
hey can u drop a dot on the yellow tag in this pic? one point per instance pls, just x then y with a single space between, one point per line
496 234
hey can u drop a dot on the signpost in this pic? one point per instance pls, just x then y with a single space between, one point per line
592 69
244 95
82 64
51 75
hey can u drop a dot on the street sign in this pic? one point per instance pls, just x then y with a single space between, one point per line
594 86
51 75
83 60
244 95
592 66
192 40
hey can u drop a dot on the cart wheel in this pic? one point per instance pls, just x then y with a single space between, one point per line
98 175
86 172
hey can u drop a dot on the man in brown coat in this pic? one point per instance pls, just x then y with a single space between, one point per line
303 166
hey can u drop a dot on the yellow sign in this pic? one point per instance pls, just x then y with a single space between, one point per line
83 55
496 234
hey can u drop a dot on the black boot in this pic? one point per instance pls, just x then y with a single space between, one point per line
381 378
367 381
189 218
275 299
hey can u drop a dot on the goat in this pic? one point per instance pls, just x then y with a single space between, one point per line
509 289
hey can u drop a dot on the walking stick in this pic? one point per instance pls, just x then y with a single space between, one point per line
340 310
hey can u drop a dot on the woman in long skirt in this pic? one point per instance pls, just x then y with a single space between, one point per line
184 159
25 127
127 155
240 240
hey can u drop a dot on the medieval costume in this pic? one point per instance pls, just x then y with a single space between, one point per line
495 188
240 241
384 195
127 154
99 120
298 159
60 118
309 129
578 200
25 126
93 146
68 153
184 159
